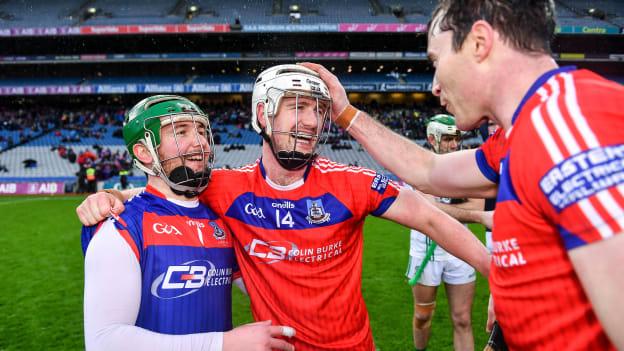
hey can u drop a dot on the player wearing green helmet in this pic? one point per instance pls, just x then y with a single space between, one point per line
136 266
292 197
185 165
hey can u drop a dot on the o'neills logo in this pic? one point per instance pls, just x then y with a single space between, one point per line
284 204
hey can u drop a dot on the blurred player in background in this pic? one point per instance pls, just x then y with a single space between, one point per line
159 276
558 270
298 218
440 266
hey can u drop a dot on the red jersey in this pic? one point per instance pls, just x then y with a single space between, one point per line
561 187
299 247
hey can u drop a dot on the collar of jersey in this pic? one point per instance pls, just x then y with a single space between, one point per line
289 186
536 85
188 204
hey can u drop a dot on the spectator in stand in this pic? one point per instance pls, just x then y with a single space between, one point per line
91 177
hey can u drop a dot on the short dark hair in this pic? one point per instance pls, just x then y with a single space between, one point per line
528 25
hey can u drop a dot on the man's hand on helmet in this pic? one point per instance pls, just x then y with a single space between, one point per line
340 101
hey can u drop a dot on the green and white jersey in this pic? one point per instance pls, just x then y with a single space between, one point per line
420 243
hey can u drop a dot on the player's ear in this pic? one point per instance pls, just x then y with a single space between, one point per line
260 113
142 153
431 139
480 40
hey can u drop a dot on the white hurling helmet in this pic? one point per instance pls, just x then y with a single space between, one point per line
291 81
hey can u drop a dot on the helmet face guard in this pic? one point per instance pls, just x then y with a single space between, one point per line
291 82
182 179
145 123
290 157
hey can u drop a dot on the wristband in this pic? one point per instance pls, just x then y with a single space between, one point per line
357 114
346 117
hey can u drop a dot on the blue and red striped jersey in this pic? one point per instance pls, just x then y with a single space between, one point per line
187 263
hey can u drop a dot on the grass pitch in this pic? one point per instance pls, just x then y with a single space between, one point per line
41 264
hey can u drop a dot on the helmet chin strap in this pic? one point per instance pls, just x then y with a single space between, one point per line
184 181
291 160
181 180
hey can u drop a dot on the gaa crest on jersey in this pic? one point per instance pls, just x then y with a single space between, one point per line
217 232
316 212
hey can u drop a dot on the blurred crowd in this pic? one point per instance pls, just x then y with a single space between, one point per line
72 126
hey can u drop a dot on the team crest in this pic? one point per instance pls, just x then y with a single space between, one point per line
218 233
316 212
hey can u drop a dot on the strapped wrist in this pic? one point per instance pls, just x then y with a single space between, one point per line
347 116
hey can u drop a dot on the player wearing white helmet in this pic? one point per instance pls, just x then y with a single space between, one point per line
429 265
166 232
284 89
298 218
442 134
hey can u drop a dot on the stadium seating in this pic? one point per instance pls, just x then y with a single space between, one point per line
52 13
56 13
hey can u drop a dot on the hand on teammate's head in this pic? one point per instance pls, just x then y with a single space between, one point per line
338 94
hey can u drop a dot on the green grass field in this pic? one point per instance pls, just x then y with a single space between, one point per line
41 266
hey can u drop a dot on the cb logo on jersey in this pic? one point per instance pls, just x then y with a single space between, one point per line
187 278
272 251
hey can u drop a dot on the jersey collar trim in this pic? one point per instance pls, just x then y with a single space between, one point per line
536 85
292 186
287 187
188 204
151 190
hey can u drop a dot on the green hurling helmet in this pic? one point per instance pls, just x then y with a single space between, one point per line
440 125
143 125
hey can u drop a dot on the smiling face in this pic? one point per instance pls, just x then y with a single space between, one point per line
297 124
457 80
184 143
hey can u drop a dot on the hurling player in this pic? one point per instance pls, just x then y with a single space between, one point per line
435 265
556 164
159 276
297 218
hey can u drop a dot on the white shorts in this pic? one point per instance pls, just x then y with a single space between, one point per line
452 271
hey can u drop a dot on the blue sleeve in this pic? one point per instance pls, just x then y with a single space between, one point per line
485 168
384 206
